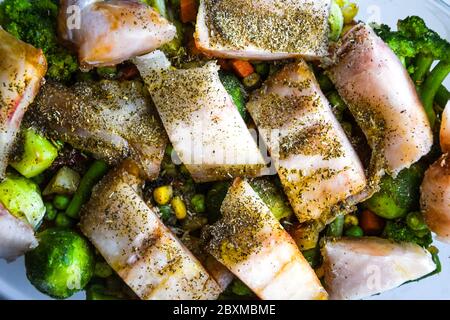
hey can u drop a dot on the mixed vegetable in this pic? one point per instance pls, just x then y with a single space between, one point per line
48 181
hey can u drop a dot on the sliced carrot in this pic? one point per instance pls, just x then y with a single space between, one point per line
372 224
242 68
188 10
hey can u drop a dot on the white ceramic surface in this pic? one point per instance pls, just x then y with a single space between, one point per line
14 284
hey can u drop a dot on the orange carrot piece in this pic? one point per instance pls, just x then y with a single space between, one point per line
372 224
188 10
242 68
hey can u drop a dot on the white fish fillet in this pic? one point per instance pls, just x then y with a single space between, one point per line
139 247
263 29
314 158
251 242
360 267
16 236
110 32
22 69
203 124
382 97
112 120
435 198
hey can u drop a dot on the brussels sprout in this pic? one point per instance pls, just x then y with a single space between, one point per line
273 197
397 196
22 198
235 89
38 155
62 264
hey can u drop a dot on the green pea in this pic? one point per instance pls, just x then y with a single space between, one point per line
198 203
355 232
61 202
166 212
262 69
102 270
50 211
415 221
63 221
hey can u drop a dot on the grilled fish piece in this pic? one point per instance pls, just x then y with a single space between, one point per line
16 236
435 197
22 69
445 129
112 120
360 267
107 33
382 98
314 158
251 242
264 30
137 245
203 124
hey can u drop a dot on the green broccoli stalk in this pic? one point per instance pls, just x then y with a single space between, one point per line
34 22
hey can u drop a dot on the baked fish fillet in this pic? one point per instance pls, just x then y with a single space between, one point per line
106 33
263 29
360 267
203 124
112 120
382 98
315 160
22 70
139 247
251 242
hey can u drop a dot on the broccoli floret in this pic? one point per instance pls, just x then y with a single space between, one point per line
62 264
401 45
400 232
34 22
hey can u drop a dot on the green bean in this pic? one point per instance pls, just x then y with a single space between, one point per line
97 170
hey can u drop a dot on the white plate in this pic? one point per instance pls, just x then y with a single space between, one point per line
14 284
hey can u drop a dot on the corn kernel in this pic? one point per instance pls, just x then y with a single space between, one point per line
342 3
179 208
351 220
163 194
350 11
